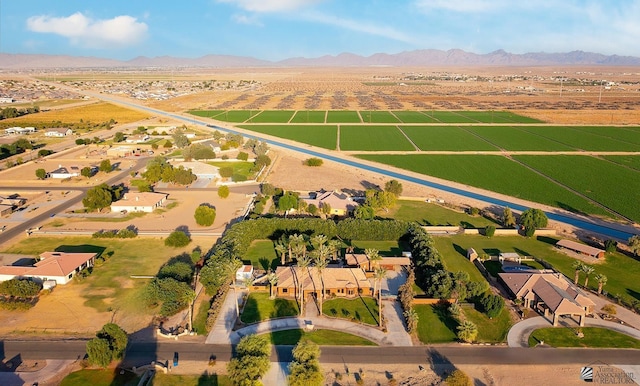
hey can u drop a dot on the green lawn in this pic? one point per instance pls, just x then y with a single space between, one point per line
455 259
431 214
200 318
260 307
386 248
262 255
239 167
582 139
593 337
361 309
161 379
489 330
622 271
104 377
321 337
629 161
435 325
109 286
515 138
413 117
488 172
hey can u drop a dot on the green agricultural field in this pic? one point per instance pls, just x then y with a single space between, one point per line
449 117
622 271
373 138
489 330
613 186
630 161
593 337
260 307
413 117
309 116
494 173
435 324
625 134
378 117
262 255
581 139
206 113
320 337
236 116
272 116
452 138
431 214
324 136
514 138
362 309
497 117
340 116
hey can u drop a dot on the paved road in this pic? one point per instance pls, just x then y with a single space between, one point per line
592 225
143 352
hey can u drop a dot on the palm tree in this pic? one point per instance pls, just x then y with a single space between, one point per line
577 265
273 281
467 331
321 263
411 317
281 249
588 270
602 280
333 249
302 263
372 255
318 240
295 239
378 275
299 251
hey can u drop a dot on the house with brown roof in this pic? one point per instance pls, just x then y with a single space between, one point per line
58 132
361 260
139 202
58 266
551 293
340 204
341 282
581 249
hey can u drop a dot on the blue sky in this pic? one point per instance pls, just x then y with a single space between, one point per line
278 29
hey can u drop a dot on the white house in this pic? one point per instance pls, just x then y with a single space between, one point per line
138 138
139 202
58 132
243 273
58 266
63 172
20 130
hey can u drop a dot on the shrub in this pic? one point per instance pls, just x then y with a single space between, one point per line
611 245
489 231
492 304
177 239
226 171
243 156
313 161
474 211
238 178
205 215
223 191
458 378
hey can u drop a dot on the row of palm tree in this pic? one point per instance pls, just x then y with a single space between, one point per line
294 246
579 266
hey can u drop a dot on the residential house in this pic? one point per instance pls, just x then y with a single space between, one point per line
58 132
137 138
551 293
341 282
202 170
20 130
243 273
581 249
139 202
215 145
361 260
340 204
123 151
6 100
63 172
58 266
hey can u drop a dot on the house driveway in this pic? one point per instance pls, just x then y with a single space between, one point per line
519 334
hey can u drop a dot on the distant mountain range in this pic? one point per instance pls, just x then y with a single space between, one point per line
417 58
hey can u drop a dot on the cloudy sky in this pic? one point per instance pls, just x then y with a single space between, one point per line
278 29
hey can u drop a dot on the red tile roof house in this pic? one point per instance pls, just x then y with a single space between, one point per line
550 292
58 266
341 282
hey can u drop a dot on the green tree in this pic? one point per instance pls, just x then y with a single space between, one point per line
492 304
116 337
86 172
532 219
262 160
98 352
251 361
577 266
634 245
167 144
105 166
394 187
313 161
267 189
98 197
602 280
304 370
458 378
467 331
223 191
610 245
41 174
205 215
118 137
287 202
364 212
489 230
226 171
177 239
180 139
588 270
242 156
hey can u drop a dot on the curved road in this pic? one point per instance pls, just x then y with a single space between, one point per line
592 226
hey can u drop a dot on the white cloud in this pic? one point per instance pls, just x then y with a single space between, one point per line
79 29
461 5
270 5
358 26
247 20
